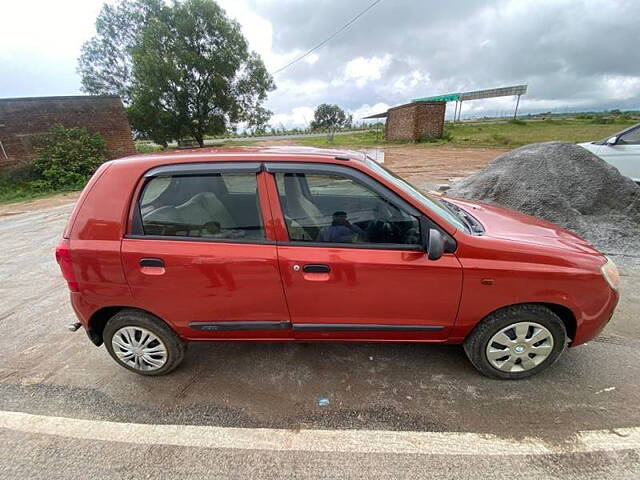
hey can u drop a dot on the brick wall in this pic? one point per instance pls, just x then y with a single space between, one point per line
415 121
22 120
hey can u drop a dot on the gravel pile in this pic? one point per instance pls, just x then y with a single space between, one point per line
567 185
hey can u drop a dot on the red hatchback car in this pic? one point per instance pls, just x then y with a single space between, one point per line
284 244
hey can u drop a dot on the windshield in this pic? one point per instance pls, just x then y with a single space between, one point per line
432 204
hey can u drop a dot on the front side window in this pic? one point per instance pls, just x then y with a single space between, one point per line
632 137
336 209
217 206
431 203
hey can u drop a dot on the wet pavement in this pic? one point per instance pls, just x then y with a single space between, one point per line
45 370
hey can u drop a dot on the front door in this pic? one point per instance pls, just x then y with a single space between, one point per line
624 154
353 267
198 256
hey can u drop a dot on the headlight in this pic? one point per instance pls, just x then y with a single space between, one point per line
610 273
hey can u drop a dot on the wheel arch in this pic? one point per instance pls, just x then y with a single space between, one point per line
99 319
567 317
564 313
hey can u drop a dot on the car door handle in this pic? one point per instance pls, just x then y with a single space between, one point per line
152 262
313 268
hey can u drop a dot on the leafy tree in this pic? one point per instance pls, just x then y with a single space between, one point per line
331 118
194 75
259 121
184 69
65 158
105 64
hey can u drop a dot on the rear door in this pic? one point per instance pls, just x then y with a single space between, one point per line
198 254
352 264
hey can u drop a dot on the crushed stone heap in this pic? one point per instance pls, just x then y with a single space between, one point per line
564 184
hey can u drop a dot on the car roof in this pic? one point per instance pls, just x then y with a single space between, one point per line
241 154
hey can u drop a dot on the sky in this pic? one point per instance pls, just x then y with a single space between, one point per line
575 55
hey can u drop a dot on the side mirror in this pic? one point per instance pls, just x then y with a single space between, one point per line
433 240
435 247
612 141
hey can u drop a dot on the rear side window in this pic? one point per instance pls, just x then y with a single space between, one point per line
213 206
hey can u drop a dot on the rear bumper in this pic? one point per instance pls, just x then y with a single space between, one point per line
589 328
83 314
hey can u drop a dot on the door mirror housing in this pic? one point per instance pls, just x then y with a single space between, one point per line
612 140
433 241
435 244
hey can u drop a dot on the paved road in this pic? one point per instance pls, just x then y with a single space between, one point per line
393 395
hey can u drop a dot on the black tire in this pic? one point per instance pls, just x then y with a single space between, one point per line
475 345
175 347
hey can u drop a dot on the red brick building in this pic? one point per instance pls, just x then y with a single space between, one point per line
24 119
415 121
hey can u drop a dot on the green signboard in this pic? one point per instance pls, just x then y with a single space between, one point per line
449 97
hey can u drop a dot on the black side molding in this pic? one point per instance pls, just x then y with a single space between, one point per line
359 327
238 326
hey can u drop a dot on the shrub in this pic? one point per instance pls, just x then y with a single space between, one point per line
602 121
447 136
517 121
147 147
20 173
65 158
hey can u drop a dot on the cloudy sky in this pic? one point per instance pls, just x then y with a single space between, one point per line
574 54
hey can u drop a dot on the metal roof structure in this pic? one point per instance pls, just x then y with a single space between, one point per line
463 96
377 115
477 94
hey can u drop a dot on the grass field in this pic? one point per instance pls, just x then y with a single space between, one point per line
493 134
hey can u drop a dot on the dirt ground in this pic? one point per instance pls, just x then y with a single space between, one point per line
9 209
423 165
426 166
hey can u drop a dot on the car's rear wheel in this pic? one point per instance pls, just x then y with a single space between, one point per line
516 342
142 343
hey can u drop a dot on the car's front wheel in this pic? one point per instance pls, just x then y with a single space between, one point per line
516 342
142 343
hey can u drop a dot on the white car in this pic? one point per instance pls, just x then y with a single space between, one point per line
622 150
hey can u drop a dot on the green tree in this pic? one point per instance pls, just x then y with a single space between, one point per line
331 118
183 69
105 63
194 74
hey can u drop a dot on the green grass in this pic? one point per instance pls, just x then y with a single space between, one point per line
10 192
494 134
16 186
515 134
352 140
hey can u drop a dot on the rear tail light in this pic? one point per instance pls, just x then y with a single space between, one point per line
63 257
